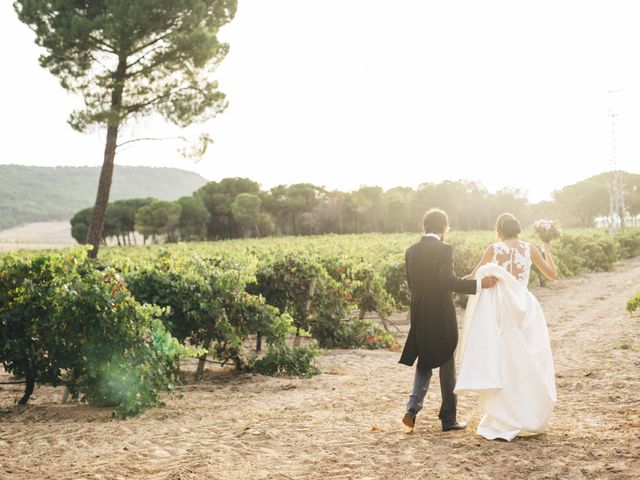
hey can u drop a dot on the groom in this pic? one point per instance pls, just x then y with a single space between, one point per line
433 335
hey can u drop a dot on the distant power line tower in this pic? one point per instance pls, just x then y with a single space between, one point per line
616 194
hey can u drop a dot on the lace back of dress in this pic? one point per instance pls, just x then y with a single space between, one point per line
515 260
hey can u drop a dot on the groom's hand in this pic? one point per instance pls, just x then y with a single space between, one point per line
489 282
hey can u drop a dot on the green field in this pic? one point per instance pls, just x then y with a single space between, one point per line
577 251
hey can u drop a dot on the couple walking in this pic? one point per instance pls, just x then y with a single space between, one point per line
504 352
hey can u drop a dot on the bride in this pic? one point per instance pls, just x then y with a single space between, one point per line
505 353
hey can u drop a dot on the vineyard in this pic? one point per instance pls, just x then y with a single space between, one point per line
116 330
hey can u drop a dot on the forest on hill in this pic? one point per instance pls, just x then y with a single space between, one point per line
239 207
33 194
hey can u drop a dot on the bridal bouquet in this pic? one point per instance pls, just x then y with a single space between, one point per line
547 230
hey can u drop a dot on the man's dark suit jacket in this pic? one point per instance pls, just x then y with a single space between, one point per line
434 329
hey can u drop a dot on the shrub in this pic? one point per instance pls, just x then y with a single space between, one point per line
299 285
629 242
364 284
633 304
61 317
289 282
208 303
131 379
396 282
359 333
286 360
599 253
186 288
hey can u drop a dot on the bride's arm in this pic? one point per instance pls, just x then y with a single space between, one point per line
486 258
544 263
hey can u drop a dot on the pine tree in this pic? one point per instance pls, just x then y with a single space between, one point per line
129 59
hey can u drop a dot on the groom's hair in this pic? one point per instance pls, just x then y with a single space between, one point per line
435 221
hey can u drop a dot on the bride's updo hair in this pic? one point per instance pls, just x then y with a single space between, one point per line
508 226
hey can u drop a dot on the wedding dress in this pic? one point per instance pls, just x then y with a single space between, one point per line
505 353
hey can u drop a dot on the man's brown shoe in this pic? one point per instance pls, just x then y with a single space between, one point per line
409 421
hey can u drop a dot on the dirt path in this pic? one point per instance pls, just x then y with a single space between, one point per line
345 423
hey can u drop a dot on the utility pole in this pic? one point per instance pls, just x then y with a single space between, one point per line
616 193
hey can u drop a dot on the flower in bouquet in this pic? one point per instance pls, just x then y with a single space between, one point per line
547 230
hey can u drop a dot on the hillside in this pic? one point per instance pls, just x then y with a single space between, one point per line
33 194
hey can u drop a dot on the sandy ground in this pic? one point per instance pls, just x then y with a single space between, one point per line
345 423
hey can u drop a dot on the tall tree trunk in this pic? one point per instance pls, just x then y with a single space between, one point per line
104 186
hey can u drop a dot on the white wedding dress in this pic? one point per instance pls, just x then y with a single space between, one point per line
505 353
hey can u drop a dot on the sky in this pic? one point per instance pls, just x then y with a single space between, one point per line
345 93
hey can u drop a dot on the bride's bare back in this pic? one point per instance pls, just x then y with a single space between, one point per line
514 258
517 257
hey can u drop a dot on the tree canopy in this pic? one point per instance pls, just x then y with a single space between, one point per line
133 58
